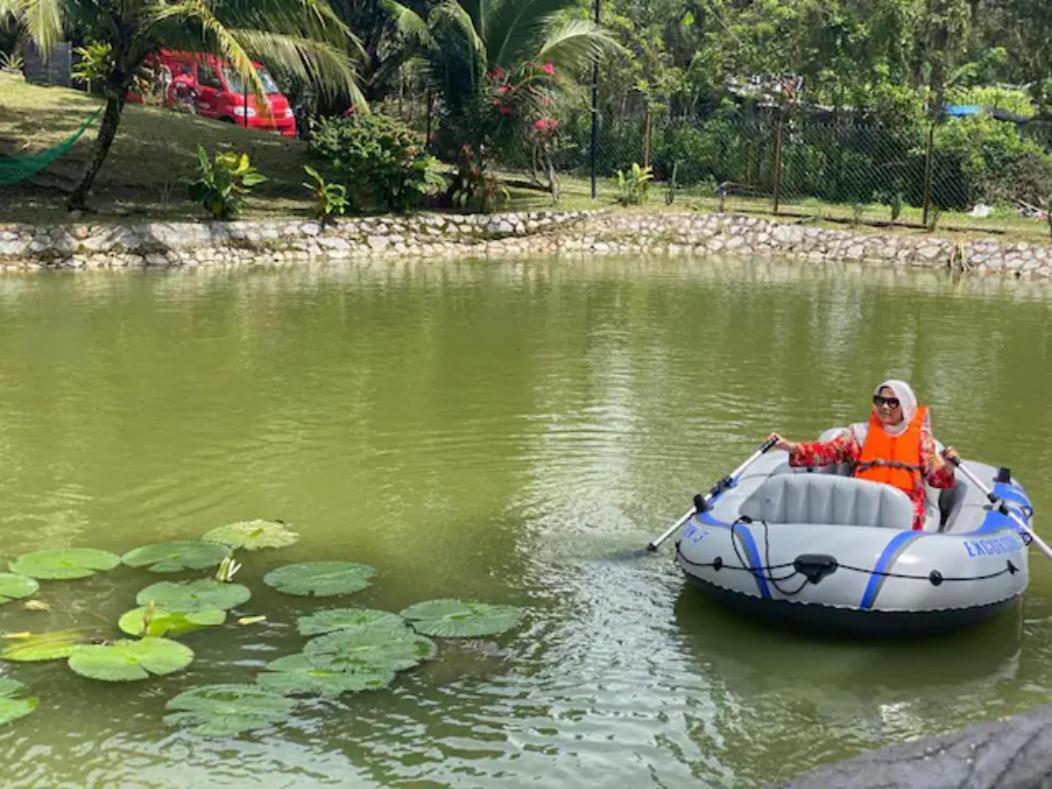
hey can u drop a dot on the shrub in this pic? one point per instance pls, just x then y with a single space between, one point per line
379 159
222 185
633 185
329 198
979 159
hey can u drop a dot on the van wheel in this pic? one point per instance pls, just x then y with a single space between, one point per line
226 120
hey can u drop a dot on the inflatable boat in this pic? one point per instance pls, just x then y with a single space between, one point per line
818 547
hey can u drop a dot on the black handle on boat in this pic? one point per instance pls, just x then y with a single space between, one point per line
999 504
701 503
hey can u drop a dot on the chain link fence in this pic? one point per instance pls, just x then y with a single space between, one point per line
973 173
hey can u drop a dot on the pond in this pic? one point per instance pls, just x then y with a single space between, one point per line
507 432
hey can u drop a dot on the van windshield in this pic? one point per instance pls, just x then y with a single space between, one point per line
233 79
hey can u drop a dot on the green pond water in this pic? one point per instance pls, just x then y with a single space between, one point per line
509 432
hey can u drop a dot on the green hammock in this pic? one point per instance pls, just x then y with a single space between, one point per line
14 169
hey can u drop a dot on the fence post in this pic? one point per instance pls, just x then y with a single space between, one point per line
595 107
647 127
777 160
928 168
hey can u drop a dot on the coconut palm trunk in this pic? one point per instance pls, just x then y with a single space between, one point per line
111 118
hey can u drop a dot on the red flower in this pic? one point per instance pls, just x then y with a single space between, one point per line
502 90
505 109
549 68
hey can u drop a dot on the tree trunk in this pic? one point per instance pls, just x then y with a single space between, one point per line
77 201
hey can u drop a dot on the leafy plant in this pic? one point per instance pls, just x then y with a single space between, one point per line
933 218
190 596
461 618
15 587
334 619
896 206
223 183
172 557
1048 214
227 569
633 184
130 661
64 563
366 650
35 647
253 535
329 199
12 708
295 674
379 159
473 187
154 621
95 62
227 710
11 63
320 579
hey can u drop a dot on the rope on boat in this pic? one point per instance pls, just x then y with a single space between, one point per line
764 571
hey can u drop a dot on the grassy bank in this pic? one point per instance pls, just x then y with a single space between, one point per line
152 159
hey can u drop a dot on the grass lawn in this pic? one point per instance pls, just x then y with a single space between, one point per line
153 158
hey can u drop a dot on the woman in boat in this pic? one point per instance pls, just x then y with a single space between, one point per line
895 447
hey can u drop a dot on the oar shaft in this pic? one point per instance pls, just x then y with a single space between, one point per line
971 477
653 545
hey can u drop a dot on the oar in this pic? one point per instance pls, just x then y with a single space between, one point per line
701 504
1000 506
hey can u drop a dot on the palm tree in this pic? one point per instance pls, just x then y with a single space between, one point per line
302 37
461 41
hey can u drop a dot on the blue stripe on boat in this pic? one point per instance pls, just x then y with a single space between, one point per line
884 564
751 552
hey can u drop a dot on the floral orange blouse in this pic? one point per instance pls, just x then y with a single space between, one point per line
846 448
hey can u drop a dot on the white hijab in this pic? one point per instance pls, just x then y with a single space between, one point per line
908 401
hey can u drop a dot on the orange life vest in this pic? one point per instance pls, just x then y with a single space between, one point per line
893 460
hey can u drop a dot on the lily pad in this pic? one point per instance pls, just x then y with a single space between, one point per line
64 563
173 557
227 710
189 596
333 619
10 707
129 661
461 618
34 647
295 674
253 535
320 579
13 587
368 650
169 623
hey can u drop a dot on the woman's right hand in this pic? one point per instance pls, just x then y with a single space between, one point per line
781 443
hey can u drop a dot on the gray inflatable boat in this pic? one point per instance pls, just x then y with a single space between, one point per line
821 548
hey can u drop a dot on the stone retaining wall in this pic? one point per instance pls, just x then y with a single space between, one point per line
85 246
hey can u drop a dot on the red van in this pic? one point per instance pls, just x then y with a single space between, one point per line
209 86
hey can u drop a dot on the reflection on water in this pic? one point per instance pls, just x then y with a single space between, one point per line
514 432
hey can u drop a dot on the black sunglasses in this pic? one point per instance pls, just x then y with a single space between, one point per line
891 402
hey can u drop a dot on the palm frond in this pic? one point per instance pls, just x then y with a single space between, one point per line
575 43
323 65
408 22
41 19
